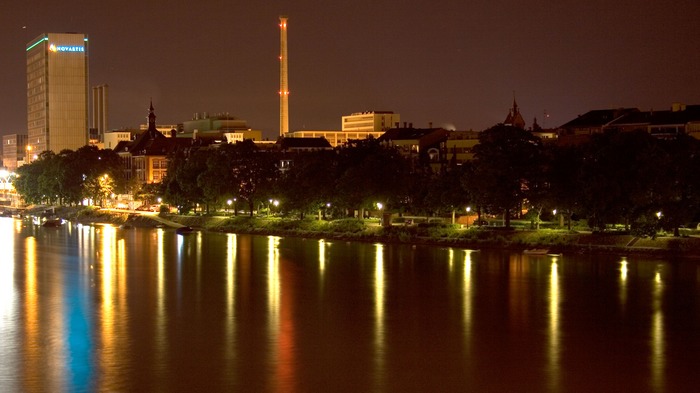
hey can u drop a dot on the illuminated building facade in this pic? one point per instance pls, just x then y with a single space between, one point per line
370 121
57 92
335 138
360 125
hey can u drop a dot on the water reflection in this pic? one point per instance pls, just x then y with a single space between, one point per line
322 256
658 342
160 316
230 344
623 282
8 302
113 311
281 322
379 330
468 298
273 286
98 310
32 350
554 328
519 289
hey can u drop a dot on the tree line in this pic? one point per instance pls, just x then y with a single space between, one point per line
69 177
629 178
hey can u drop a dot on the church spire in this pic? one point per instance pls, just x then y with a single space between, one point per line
514 117
151 121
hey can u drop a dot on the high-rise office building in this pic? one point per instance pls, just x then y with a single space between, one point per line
57 92
100 111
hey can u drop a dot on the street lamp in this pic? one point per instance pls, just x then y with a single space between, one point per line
469 209
229 202
328 206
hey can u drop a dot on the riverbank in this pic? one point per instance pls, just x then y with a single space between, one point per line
554 241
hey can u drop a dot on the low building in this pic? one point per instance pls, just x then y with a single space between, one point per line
459 146
240 136
335 138
425 145
303 144
662 124
678 119
580 129
146 157
14 150
112 138
371 121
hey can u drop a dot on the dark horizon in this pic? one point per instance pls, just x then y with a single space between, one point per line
450 64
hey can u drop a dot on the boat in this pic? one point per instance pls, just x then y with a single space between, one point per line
184 230
52 223
536 251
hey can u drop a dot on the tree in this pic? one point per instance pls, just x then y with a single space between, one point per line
180 185
623 176
254 172
507 163
217 180
563 176
446 192
309 183
681 199
370 172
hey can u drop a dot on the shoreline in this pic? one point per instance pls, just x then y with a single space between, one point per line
551 241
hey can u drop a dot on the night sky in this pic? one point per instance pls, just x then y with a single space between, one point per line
454 63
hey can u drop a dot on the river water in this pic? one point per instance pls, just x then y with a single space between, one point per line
96 308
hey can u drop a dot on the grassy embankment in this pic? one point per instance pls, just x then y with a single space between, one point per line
350 229
449 235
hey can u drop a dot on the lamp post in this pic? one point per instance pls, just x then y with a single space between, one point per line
469 209
229 202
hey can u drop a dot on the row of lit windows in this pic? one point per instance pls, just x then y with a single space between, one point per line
158 164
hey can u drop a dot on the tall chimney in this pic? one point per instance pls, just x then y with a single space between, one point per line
284 78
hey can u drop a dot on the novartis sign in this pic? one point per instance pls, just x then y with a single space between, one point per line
66 48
